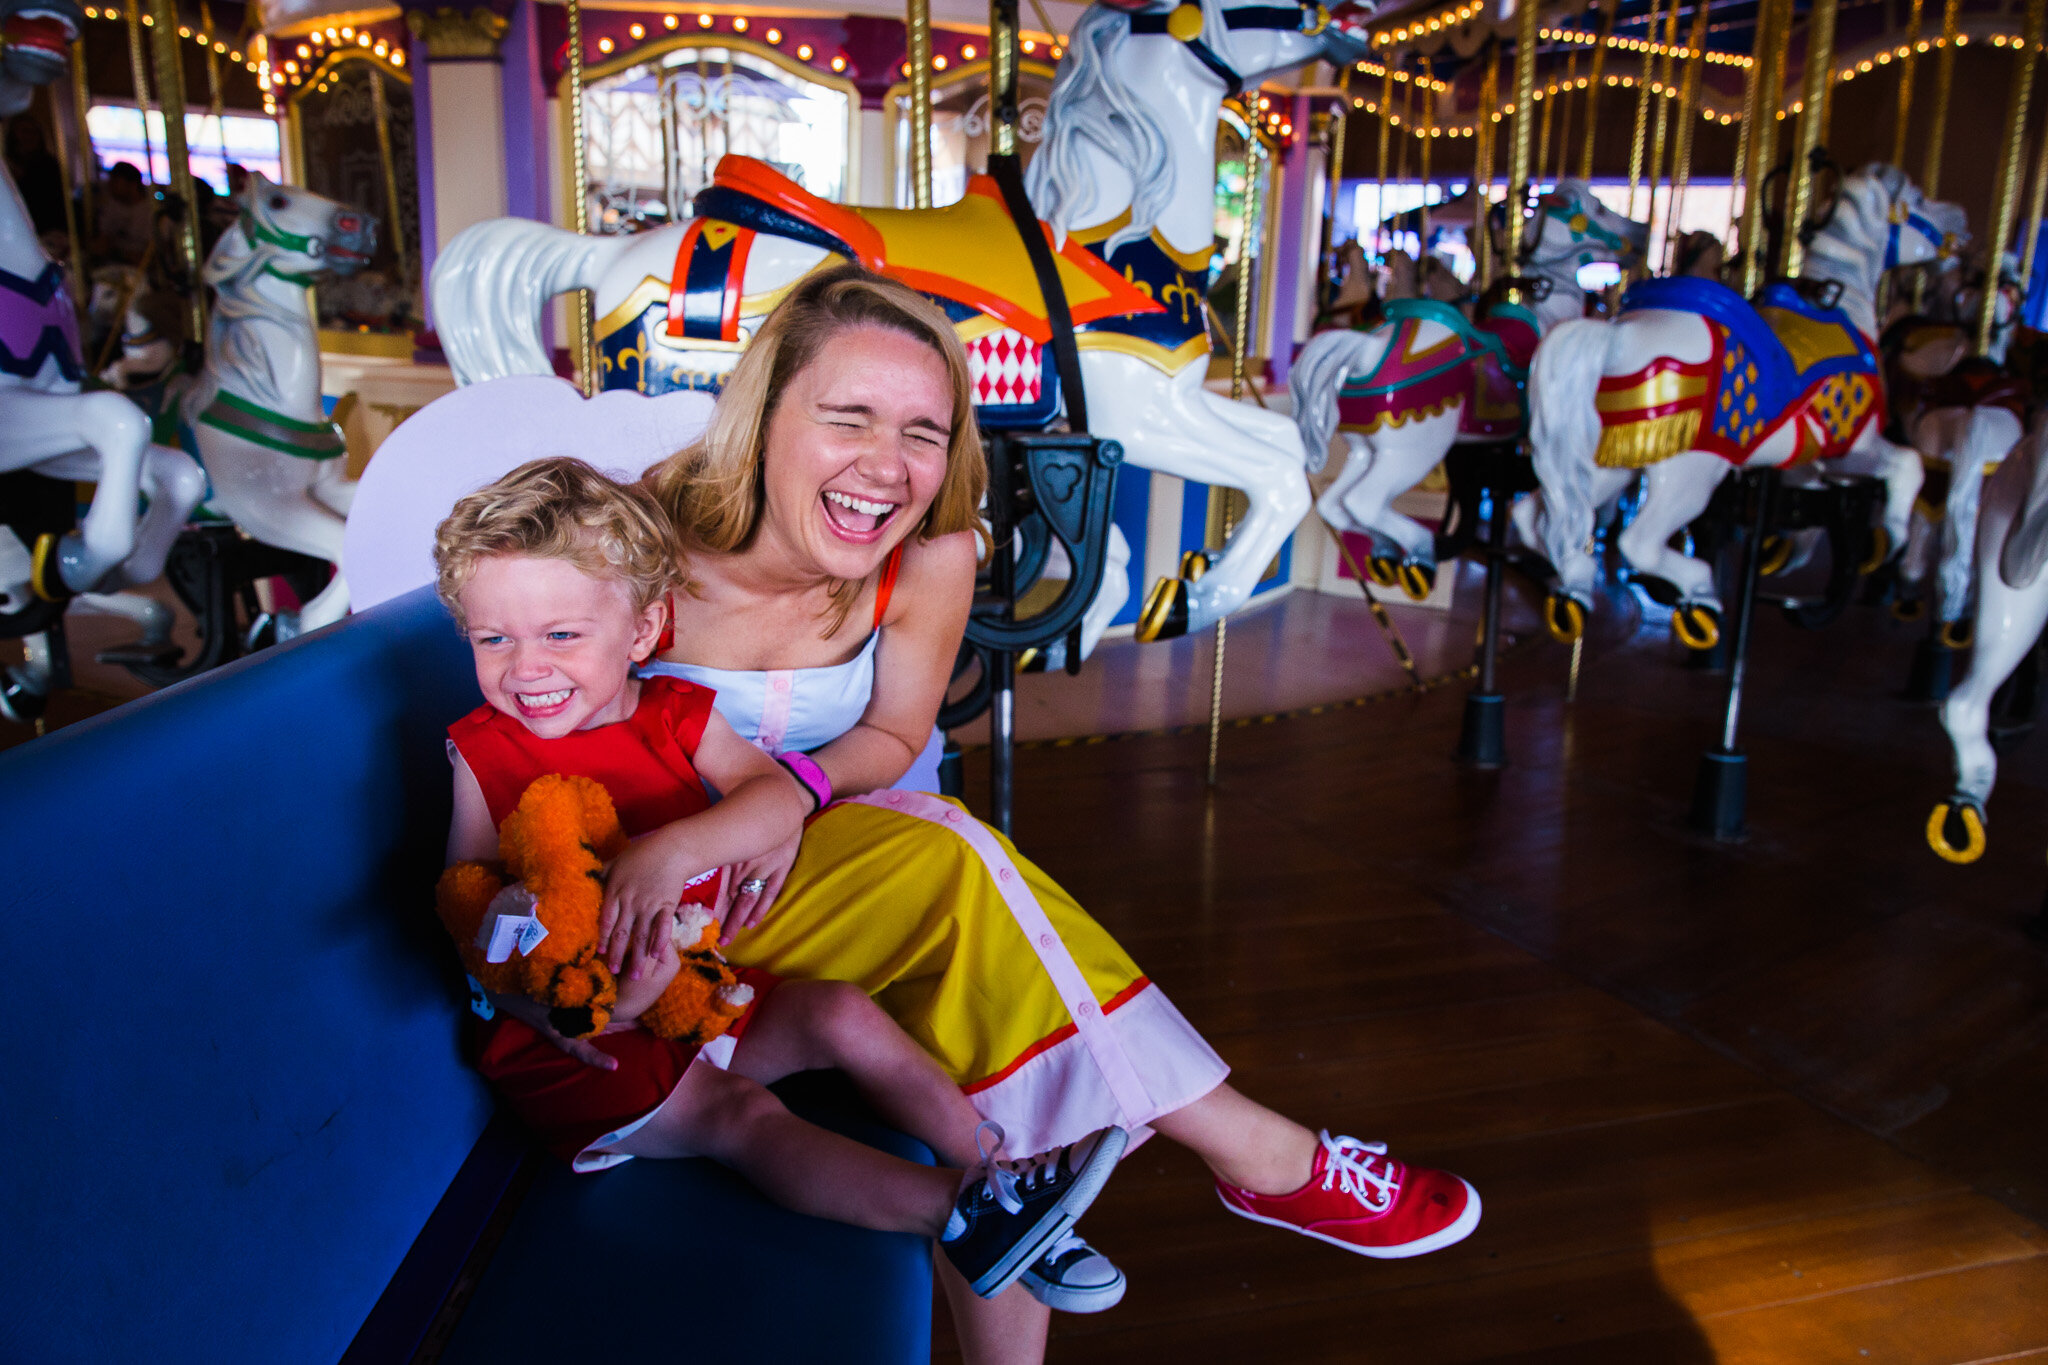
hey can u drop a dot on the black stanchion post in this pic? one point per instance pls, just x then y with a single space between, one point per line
1720 794
1002 576
1482 739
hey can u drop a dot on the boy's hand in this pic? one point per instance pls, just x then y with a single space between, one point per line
639 912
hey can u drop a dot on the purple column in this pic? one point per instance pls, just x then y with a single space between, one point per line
526 118
423 168
1288 255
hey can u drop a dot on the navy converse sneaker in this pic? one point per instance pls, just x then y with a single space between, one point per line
1074 1277
1011 1212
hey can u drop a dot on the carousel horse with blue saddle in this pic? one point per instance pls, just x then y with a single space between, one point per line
1426 376
1123 189
1692 381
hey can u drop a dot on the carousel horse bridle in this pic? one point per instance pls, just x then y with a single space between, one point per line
1902 216
1187 23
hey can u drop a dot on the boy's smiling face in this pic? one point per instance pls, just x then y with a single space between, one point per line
554 645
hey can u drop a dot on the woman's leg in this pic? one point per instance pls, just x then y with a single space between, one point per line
1244 1143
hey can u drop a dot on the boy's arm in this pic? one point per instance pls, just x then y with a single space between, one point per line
471 835
762 808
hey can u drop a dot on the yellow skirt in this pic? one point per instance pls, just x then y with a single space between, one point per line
1028 1003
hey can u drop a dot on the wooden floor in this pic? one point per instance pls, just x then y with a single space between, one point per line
1782 1102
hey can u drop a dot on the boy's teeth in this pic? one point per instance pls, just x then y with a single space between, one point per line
544 699
873 509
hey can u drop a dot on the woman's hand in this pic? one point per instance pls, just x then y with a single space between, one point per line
535 1016
740 910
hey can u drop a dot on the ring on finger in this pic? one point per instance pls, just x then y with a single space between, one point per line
753 886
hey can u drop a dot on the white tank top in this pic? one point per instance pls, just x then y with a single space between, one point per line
802 708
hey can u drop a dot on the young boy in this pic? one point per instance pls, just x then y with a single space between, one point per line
560 579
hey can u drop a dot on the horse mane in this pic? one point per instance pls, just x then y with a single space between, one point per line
1090 107
236 344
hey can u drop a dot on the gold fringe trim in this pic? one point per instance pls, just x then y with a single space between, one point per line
1393 421
1636 444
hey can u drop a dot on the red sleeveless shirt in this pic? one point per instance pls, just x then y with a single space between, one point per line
643 761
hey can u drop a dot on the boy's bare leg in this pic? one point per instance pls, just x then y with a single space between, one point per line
1009 1329
1245 1143
737 1123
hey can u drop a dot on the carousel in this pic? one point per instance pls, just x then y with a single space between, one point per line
1634 382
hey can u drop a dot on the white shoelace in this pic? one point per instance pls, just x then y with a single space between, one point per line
1069 1241
1348 1166
1003 1179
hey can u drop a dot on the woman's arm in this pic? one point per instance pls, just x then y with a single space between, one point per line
926 620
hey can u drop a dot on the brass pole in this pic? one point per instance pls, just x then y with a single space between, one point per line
2005 206
1564 116
1386 113
920 104
1688 122
2035 209
1334 178
1740 175
1906 85
1482 169
215 104
81 286
1248 238
1002 56
1820 62
1593 88
1663 97
579 189
1407 136
1944 76
138 66
1773 20
390 172
1635 156
1543 127
1428 127
89 161
170 90
1518 165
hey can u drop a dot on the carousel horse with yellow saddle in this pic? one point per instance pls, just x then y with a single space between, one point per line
1124 186
1427 376
1692 381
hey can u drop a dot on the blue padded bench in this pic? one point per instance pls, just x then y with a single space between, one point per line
235 1121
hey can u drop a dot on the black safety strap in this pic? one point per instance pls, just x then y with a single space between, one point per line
1008 173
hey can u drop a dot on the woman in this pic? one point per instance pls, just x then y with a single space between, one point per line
828 517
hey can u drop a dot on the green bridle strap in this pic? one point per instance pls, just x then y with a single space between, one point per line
260 231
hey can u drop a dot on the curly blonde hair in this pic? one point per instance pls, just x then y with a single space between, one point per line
561 508
712 490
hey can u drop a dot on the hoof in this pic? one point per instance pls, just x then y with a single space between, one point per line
1564 618
1697 626
1417 580
1031 660
1956 634
20 702
1193 564
1383 571
1880 551
1777 554
1662 591
1955 831
1165 616
46 576
1908 609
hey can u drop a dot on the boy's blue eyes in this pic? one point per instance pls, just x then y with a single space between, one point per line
551 635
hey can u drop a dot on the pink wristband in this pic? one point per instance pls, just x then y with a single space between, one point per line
810 774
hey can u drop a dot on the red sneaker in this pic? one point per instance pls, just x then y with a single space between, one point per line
1359 1198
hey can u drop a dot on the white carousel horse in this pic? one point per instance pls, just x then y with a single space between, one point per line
255 412
1426 378
1690 382
2012 607
46 424
1125 176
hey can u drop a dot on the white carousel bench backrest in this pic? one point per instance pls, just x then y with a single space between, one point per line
465 439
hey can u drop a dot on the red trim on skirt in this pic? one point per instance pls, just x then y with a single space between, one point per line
570 1105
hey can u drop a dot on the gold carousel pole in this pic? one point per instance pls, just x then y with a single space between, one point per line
88 163
2035 208
390 173
1944 77
1593 88
1564 115
215 104
1820 62
1248 237
1740 175
1333 177
1773 21
1486 130
1407 134
1386 111
1635 156
1519 154
579 191
1906 85
920 104
1659 139
1688 120
138 66
80 285
1540 167
2005 206
170 90
1428 125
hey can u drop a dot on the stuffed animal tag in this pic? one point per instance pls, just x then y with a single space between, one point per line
512 922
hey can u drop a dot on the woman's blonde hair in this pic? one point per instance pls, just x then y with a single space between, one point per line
561 508
713 490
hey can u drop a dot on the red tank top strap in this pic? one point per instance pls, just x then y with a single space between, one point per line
888 584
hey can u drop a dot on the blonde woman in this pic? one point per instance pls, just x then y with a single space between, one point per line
828 525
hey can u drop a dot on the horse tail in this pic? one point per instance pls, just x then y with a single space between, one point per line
491 287
1565 433
1314 382
1986 440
